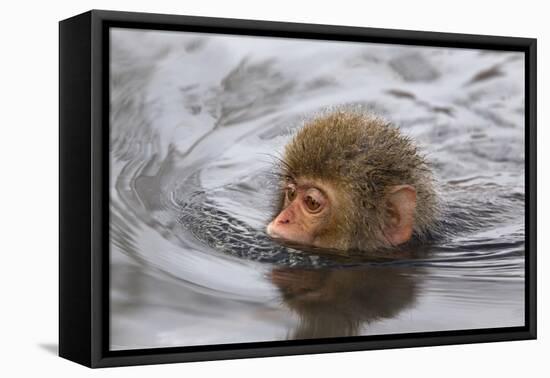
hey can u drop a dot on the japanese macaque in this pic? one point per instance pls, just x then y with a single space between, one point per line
352 181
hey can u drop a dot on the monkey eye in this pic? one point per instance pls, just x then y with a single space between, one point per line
314 200
291 193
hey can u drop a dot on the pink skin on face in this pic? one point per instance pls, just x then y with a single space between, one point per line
305 208
309 205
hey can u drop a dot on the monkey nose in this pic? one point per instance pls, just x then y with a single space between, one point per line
285 217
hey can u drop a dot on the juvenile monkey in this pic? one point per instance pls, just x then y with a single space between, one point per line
352 181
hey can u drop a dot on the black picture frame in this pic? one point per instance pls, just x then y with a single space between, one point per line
83 180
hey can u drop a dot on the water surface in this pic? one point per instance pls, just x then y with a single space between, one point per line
195 122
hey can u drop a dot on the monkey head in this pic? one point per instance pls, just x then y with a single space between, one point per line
352 181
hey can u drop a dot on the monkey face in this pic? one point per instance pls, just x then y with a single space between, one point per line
305 214
318 214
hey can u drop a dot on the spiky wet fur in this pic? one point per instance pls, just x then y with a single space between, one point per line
362 156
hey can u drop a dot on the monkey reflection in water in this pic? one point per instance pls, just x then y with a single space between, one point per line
351 181
338 302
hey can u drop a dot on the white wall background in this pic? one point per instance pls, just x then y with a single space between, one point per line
29 186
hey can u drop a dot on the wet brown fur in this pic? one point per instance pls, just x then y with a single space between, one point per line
362 157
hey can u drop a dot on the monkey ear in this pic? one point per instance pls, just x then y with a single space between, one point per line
401 203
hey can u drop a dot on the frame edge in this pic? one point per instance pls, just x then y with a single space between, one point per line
531 181
74 189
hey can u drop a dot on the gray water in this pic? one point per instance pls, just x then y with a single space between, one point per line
196 121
